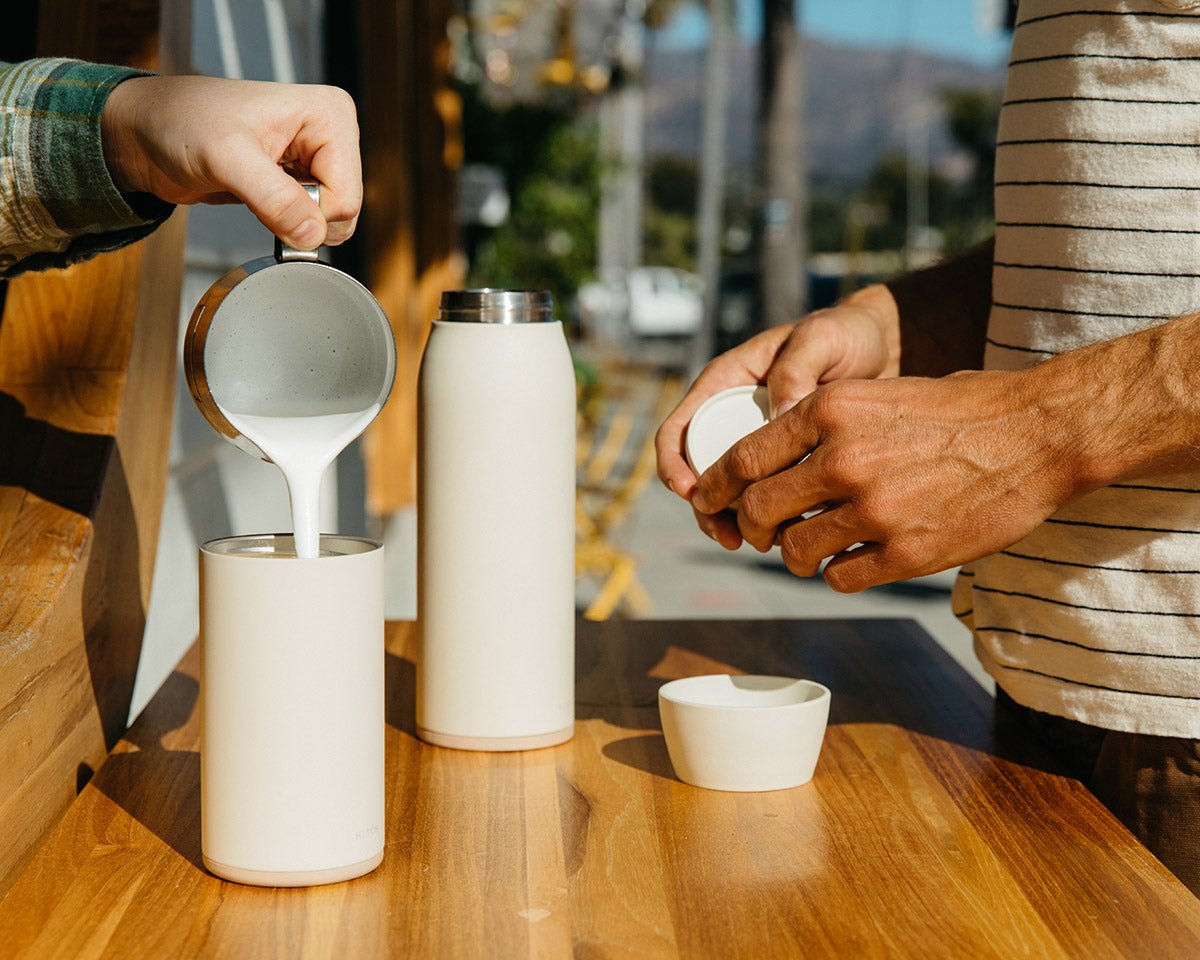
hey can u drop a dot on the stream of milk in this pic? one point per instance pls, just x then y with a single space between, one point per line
302 447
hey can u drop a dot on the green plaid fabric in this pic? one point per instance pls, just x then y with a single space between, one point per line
58 203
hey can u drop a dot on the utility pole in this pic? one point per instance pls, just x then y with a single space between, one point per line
711 194
622 113
783 283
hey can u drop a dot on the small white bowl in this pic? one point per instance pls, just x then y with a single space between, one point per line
743 733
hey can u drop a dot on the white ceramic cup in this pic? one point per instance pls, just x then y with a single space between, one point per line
292 710
743 733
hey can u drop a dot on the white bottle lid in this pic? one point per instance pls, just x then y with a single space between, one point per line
722 420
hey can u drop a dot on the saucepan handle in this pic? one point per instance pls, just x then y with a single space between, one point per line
282 250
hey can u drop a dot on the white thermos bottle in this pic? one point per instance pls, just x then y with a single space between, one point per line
496 525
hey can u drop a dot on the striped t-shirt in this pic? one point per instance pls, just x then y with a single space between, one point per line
1096 614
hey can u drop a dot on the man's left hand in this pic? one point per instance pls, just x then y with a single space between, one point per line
922 474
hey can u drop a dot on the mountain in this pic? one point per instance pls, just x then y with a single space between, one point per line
856 101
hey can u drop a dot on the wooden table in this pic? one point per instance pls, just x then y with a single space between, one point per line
925 832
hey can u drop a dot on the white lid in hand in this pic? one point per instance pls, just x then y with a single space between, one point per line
722 420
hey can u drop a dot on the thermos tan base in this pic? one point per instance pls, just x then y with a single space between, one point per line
496 744
293 878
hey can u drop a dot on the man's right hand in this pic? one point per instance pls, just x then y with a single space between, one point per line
859 338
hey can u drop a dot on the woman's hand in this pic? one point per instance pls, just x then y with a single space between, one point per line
210 140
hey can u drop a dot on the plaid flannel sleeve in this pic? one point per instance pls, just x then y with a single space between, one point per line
58 203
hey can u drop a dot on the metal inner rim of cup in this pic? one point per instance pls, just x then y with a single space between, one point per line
283 546
689 691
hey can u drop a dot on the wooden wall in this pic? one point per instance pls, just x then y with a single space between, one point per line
87 383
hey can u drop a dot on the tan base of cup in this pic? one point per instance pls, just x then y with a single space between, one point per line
293 878
496 744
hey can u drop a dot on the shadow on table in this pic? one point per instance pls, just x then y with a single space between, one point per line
646 752
400 694
156 786
880 672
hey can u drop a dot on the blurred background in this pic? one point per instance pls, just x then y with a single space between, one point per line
679 174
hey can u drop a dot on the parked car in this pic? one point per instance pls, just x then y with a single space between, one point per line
645 302
664 302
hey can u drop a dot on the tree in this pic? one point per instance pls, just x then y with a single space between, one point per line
671 184
781 164
549 240
972 117
886 193
827 218
711 185
670 228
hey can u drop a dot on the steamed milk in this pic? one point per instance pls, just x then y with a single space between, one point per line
302 447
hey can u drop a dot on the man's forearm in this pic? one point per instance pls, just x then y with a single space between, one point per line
944 312
1124 408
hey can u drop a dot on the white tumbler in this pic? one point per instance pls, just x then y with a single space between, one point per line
292 713
496 525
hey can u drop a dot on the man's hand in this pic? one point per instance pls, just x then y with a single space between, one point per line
209 140
857 338
924 474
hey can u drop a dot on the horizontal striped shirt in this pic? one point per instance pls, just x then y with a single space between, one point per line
58 203
1096 614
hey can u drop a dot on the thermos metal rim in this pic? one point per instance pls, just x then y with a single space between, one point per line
497 306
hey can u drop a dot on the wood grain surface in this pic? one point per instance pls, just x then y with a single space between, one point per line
927 831
87 383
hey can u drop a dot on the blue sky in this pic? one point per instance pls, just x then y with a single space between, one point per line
950 28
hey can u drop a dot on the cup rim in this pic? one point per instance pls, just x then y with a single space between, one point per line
671 690
259 545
